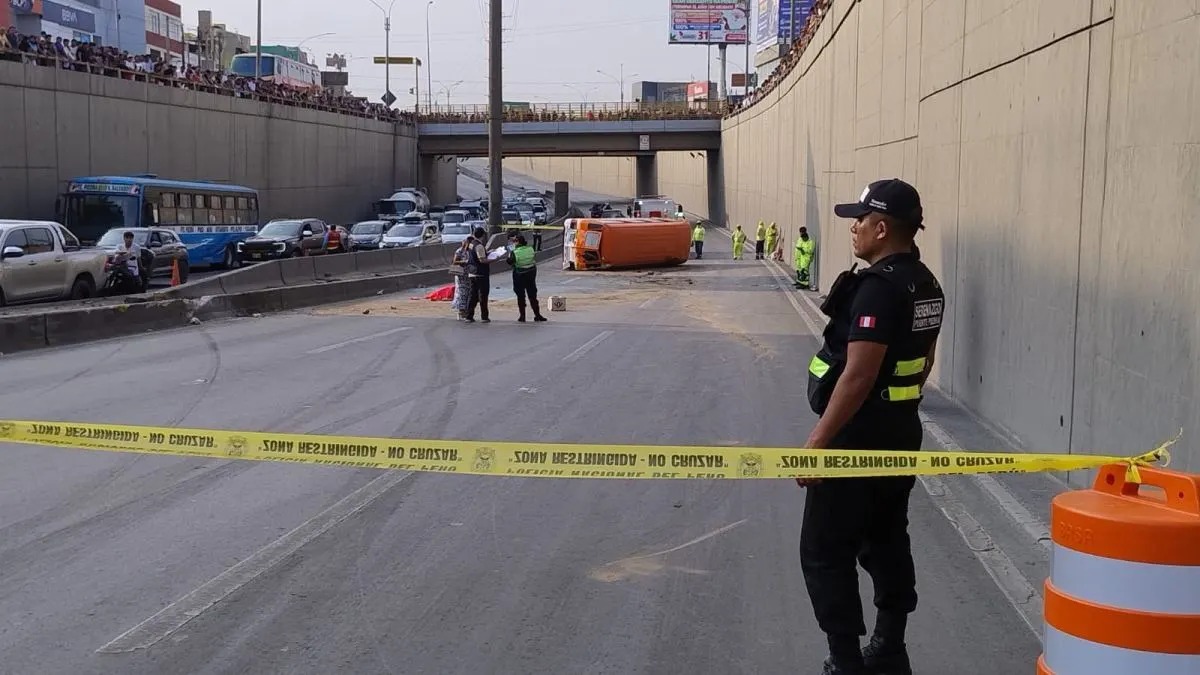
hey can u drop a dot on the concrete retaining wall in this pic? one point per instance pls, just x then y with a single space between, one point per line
60 124
1058 154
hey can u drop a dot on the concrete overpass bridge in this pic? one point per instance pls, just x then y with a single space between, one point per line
588 130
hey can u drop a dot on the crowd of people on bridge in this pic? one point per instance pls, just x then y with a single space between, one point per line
85 57
576 112
789 61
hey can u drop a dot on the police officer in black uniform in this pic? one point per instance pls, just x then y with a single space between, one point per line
865 384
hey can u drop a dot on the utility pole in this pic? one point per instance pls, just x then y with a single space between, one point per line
258 50
495 114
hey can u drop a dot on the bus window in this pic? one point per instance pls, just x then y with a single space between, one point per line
229 203
185 209
199 210
167 213
243 203
229 216
214 210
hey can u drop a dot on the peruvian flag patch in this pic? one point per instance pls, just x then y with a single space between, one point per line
866 322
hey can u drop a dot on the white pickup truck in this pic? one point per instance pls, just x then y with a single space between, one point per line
43 261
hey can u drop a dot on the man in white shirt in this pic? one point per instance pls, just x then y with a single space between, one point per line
131 254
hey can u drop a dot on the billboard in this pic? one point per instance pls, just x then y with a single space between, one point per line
773 21
789 31
704 22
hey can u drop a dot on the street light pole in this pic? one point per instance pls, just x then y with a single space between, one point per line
495 113
387 46
258 50
620 82
428 70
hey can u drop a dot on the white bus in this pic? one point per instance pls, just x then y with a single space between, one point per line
278 69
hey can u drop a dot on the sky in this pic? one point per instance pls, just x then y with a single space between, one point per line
550 55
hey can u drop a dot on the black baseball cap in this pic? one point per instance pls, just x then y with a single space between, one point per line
891 197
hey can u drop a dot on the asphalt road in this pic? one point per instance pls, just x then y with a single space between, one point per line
272 568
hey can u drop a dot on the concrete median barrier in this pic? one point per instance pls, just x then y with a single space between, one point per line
405 259
433 256
373 262
97 323
296 271
73 325
21 332
262 275
337 266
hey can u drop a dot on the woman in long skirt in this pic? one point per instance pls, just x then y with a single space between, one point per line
458 269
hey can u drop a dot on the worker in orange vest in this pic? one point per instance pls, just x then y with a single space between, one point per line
333 240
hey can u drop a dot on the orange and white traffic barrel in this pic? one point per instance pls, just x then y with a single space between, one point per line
1123 595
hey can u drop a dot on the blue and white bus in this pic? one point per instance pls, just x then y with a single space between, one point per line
210 218
279 69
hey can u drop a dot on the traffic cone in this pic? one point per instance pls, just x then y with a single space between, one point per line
175 272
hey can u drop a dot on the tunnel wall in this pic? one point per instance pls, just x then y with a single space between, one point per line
1057 149
305 163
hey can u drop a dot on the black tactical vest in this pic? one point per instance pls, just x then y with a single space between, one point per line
477 267
898 386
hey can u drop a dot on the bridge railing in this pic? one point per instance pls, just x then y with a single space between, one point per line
574 112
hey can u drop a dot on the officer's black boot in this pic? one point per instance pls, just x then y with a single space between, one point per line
886 654
521 309
537 310
844 656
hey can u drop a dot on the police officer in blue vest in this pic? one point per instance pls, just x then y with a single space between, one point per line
865 384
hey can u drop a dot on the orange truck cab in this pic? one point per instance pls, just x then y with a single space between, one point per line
614 243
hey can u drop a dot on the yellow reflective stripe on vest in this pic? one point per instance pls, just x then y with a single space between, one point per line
818 367
909 393
913 367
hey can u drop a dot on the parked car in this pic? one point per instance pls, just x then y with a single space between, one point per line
284 239
412 231
368 234
42 261
476 210
161 248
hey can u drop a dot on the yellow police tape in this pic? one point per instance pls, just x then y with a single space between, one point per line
552 460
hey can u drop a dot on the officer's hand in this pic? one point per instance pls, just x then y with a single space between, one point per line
805 482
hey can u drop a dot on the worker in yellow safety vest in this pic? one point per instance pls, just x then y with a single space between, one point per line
772 238
739 242
805 250
760 240
698 240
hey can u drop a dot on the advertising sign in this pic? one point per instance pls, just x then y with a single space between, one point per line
69 17
766 22
789 31
703 22
25 6
697 91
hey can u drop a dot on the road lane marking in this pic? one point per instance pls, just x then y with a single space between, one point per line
1024 597
365 338
651 301
586 347
173 617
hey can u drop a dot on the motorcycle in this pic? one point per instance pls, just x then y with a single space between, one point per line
119 280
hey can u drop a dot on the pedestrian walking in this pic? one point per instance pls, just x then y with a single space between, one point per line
479 276
760 240
865 384
523 259
698 240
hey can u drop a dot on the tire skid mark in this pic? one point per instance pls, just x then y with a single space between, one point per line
113 518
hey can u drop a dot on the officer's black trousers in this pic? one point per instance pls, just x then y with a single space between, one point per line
860 521
478 297
525 286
